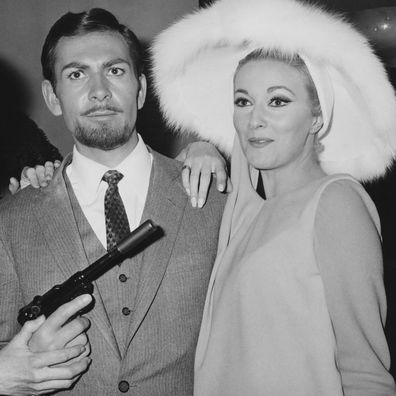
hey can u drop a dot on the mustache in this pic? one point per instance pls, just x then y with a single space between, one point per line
95 109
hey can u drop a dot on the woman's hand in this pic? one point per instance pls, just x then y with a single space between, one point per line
201 161
39 176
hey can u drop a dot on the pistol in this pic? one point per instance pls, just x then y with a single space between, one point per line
81 281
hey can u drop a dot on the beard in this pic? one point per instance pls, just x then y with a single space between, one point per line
103 137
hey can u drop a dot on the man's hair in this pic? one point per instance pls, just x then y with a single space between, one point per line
75 24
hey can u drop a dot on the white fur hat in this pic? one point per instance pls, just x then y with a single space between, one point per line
194 62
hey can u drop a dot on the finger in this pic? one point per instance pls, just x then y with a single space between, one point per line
48 170
66 311
86 353
29 175
221 179
195 175
13 187
186 169
81 339
57 164
28 329
65 372
51 386
51 378
182 155
59 356
229 185
40 172
73 329
204 183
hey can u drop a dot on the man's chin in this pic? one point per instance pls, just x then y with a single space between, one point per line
103 138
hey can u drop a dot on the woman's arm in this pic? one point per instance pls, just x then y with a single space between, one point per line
348 250
202 165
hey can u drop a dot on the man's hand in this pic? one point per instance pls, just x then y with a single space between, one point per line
201 162
39 176
58 332
25 372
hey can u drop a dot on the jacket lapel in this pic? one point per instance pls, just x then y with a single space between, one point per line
56 220
165 204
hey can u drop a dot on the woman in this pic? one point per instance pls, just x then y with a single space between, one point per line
296 303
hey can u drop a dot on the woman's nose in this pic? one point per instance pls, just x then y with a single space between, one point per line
258 118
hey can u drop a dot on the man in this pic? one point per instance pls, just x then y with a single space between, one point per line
145 323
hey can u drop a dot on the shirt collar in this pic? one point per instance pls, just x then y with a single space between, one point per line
86 174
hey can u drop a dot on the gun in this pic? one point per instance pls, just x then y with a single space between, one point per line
81 281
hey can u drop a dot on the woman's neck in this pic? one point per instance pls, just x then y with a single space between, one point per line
291 176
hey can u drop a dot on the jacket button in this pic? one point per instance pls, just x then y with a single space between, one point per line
126 311
123 386
122 278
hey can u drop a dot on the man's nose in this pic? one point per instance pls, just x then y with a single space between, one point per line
99 89
258 118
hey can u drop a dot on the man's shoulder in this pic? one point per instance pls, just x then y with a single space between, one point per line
173 168
22 199
27 201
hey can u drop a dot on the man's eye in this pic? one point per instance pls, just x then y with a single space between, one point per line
75 75
241 102
116 71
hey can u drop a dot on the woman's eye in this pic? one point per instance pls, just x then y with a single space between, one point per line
279 102
241 102
116 71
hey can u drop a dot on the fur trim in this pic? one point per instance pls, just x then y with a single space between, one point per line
194 61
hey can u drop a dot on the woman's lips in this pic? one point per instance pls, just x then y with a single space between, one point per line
260 142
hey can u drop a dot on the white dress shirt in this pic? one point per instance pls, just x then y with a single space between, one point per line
85 176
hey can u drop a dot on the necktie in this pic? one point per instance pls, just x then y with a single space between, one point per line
117 226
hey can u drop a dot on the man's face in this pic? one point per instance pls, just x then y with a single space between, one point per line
97 91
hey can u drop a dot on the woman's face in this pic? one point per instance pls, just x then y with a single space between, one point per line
273 113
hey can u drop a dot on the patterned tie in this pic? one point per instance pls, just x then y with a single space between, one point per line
117 226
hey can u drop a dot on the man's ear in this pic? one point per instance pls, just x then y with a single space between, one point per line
142 91
317 124
50 98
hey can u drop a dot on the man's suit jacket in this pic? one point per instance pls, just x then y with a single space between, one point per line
40 246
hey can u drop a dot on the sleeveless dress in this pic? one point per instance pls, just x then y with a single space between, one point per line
266 327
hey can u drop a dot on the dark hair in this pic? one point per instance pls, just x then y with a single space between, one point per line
94 20
293 60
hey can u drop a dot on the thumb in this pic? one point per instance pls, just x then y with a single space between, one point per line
182 155
28 329
13 186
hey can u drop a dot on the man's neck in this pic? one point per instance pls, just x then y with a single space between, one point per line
110 158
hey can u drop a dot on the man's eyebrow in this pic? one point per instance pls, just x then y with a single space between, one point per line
116 61
74 65
82 66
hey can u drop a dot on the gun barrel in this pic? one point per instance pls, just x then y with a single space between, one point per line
81 282
130 242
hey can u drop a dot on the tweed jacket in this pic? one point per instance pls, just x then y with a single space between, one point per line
40 246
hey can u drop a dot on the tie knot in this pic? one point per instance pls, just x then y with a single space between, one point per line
112 177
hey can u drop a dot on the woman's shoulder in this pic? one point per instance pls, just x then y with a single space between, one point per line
342 198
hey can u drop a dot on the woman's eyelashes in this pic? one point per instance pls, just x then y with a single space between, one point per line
279 101
241 102
275 101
